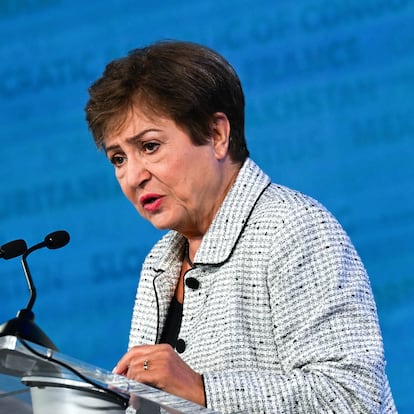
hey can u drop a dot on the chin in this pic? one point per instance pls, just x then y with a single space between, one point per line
160 225
164 222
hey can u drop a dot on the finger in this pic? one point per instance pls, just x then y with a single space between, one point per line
155 367
121 367
133 354
148 366
142 369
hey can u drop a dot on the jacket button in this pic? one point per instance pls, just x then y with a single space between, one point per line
192 283
180 346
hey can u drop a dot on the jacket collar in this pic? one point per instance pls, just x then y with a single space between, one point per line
222 235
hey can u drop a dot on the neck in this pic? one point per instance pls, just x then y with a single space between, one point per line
195 237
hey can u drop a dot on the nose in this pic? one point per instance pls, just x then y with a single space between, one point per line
137 173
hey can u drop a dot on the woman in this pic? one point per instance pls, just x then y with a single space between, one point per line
255 299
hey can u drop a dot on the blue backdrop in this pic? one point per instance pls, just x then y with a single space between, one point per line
329 88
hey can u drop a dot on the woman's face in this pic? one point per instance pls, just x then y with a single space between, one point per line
171 182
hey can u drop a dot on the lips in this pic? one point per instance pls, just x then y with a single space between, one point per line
151 201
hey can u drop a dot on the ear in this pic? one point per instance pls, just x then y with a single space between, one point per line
220 134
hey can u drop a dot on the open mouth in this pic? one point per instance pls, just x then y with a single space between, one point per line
150 202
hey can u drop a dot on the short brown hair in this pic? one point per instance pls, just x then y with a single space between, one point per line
182 80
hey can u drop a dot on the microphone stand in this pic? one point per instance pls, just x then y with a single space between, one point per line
23 324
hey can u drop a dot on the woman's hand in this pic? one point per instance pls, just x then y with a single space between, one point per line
161 367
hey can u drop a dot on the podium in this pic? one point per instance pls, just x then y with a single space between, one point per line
38 380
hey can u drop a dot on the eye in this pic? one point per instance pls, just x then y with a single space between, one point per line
150 147
117 160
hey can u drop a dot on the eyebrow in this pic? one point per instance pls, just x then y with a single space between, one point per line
130 140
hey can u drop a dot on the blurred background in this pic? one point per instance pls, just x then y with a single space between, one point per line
329 88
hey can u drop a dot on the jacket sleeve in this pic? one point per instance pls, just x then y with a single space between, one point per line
326 331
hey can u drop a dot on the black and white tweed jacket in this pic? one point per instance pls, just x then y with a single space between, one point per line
278 316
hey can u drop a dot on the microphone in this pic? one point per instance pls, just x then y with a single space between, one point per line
55 240
23 325
13 249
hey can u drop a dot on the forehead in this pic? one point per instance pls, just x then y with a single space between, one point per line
129 123
136 122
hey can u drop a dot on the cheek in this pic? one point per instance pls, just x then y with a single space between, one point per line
190 179
181 184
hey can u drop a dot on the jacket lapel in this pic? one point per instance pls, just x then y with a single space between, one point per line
225 230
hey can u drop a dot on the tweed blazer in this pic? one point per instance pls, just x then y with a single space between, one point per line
278 313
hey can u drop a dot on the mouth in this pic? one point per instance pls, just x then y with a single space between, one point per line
150 202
